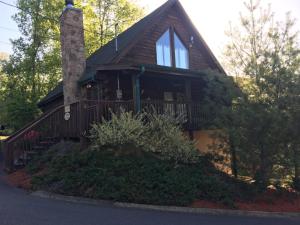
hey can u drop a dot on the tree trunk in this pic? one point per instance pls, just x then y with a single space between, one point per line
234 169
262 176
297 167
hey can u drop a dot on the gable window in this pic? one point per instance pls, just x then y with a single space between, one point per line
170 51
163 50
181 54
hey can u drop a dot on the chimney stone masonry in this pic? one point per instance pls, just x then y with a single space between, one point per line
73 52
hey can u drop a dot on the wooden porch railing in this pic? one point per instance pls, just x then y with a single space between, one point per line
190 114
53 126
95 111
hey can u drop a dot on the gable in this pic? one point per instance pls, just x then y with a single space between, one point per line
144 50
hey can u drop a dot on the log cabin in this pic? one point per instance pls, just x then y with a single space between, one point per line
157 64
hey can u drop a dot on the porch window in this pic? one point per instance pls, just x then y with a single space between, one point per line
181 54
163 50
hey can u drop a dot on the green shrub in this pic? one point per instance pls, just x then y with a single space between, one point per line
165 138
131 178
122 131
157 134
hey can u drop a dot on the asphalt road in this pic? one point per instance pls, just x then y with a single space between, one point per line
19 208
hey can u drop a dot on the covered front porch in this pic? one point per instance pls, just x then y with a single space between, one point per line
155 89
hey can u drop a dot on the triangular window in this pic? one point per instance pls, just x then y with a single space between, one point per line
170 51
181 54
163 50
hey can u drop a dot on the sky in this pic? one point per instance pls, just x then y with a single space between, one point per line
211 18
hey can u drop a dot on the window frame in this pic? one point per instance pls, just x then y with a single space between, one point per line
184 45
170 39
172 32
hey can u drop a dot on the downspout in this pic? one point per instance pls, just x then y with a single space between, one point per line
138 90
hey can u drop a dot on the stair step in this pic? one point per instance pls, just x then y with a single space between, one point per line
31 152
46 142
39 147
19 162
49 138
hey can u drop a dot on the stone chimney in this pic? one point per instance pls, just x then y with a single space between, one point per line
72 50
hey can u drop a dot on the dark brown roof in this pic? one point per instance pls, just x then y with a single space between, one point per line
52 95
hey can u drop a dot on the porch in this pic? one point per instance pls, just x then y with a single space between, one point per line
178 93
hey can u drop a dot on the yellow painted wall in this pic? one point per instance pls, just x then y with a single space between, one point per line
203 138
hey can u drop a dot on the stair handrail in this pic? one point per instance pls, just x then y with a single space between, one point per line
28 126
15 137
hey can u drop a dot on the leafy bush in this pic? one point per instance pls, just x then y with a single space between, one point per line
165 138
158 134
122 131
132 178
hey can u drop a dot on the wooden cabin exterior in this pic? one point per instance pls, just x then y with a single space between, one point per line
157 65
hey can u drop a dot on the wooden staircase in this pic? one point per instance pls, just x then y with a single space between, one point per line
39 135
37 149
51 127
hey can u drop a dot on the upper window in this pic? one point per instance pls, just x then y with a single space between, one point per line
163 50
181 54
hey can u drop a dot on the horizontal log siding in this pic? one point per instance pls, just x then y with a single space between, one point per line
144 51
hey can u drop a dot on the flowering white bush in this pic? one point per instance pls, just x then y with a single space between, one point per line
122 130
165 138
158 134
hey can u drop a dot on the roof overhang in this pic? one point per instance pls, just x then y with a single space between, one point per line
155 69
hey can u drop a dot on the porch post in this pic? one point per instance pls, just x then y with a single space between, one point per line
188 93
137 90
188 96
136 93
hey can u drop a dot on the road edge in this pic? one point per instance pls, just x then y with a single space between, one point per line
207 211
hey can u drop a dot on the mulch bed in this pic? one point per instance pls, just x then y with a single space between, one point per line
270 201
19 178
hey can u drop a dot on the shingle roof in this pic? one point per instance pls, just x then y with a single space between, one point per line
52 95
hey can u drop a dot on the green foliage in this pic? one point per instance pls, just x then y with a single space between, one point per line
35 66
163 136
261 127
158 134
134 178
100 18
124 130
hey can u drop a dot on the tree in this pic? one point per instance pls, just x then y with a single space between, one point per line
264 56
103 19
35 66
3 80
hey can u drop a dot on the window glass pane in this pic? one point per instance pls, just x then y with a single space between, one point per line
181 54
163 50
